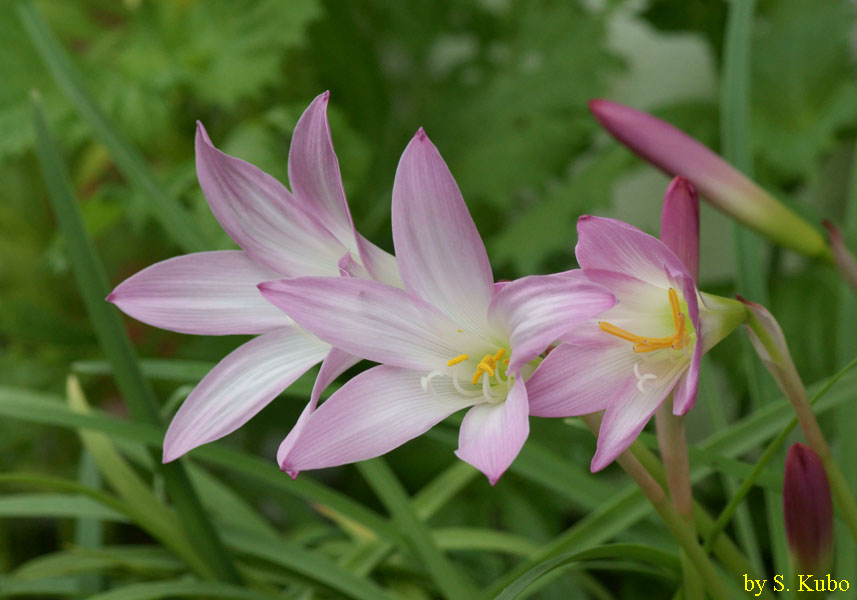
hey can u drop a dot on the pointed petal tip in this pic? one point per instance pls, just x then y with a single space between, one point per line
293 473
421 135
680 182
202 135
595 105
111 297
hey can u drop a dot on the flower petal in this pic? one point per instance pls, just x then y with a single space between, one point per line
208 293
577 380
680 223
441 257
625 418
382 265
335 364
240 386
611 245
314 172
492 435
260 214
348 267
538 310
372 320
375 412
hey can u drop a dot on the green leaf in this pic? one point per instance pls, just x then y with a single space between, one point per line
92 284
59 506
804 86
144 560
180 589
169 213
636 552
390 491
145 509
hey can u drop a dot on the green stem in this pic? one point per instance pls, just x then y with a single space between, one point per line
763 461
684 535
791 385
673 448
724 549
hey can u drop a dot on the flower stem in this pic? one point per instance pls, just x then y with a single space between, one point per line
684 535
726 551
790 383
673 448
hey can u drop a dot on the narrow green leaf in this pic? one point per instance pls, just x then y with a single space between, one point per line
57 506
89 533
390 491
482 540
180 589
165 207
735 131
145 509
312 566
144 560
636 552
142 403
37 407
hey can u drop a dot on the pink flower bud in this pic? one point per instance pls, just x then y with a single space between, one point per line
808 510
680 223
676 153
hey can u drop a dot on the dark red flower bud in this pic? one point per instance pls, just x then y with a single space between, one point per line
808 510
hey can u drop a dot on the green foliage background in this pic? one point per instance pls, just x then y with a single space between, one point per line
501 87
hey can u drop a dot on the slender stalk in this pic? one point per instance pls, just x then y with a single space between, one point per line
726 551
673 447
684 535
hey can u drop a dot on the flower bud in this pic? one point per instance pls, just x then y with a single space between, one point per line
808 510
676 153
680 223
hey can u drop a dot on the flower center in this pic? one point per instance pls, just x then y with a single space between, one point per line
676 341
490 370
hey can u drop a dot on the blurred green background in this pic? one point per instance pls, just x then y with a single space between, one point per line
501 87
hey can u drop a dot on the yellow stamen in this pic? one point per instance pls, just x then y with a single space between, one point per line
458 359
647 344
488 364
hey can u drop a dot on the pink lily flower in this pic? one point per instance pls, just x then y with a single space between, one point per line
452 339
308 231
628 360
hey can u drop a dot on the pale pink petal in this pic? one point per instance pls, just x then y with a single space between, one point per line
626 417
375 412
335 364
441 257
382 265
492 435
348 267
680 223
314 172
260 214
611 245
371 320
208 293
577 380
240 386
535 311
685 392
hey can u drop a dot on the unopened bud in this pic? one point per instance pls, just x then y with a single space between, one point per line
808 510
676 153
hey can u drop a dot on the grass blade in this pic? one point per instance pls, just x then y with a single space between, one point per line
165 208
135 389
735 131
390 491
